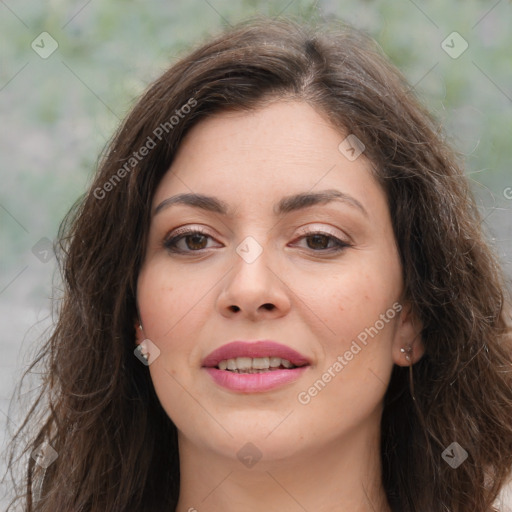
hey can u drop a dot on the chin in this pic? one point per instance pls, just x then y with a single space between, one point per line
260 435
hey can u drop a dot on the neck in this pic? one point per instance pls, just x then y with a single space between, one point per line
343 475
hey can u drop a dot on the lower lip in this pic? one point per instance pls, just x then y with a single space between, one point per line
254 382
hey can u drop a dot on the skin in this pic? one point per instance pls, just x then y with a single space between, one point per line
323 455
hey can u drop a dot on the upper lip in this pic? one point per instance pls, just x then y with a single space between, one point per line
263 348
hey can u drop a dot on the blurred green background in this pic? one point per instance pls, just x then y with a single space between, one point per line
58 112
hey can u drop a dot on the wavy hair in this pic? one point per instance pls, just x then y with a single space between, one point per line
117 448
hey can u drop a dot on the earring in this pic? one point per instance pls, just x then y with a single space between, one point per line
141 347
144 351
407 351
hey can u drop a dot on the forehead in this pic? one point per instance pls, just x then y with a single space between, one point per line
250 156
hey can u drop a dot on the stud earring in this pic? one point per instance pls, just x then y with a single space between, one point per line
143 351
407 351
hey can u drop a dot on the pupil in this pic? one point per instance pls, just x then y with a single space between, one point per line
320 239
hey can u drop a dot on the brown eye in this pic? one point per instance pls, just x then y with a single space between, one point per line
187 241
318 241
324 242
196 241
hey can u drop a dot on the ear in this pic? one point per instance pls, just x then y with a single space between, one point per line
408 346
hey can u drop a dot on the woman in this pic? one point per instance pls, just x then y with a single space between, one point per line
278 297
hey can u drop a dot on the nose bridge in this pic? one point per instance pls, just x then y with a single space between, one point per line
250 250
251 266
252 283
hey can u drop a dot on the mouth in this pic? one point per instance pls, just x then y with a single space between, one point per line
254 356
252 367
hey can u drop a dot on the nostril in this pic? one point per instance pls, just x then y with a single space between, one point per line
266 306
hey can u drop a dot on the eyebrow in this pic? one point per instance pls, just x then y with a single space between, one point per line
286 205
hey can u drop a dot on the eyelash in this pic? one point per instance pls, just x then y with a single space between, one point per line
171 241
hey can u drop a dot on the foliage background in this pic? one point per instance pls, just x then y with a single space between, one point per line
58 113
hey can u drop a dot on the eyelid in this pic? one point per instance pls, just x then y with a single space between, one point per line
323 228
187 229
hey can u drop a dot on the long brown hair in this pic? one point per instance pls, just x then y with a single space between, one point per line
117 448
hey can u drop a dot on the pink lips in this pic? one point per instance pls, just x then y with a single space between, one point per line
254 349
255 382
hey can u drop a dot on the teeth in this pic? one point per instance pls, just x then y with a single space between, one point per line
256 363
275 362
261 363
243 363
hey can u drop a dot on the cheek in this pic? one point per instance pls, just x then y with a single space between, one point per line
354 369
167 300
166 305
355 299
357 307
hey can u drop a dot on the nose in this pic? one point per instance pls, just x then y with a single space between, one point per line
254 289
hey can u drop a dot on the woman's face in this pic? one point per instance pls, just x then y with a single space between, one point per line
303 258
